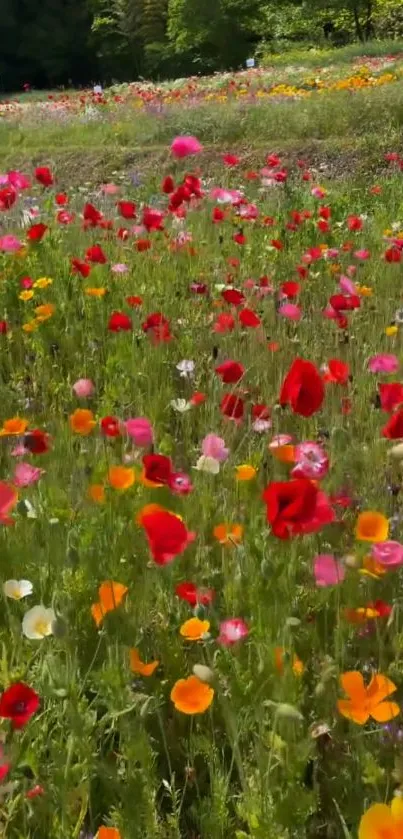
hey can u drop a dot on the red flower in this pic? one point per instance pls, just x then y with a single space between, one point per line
166 534
44 176
393 254
323 226
232 295
168 185
302 388
119 322
248 318
3 327
36 232
18 703
260 411
91 215
230 159
8 197
95 254
35 791
393 429
158 325
232 407
143 245
194 595
127 209
64 217
157 468
239 238
337 372
152 219
345 302
110 426
325 213
224 323
230 372
198 398
290 288
295 507
61 199
391 396
355 223
134 301
37 441
79 267
218 215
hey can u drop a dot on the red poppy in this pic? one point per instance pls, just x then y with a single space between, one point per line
291 506
233 296
393 254
80 267
231 159
119 322
232 406
44 176
61 199
239 238
198 398
91 215
134 301
123 234
393 429
64 217
156 322
391 396
37 441
224 323
110 426
248 318
260 411
35 791
127 209
3 327
338 372
18 703
8 197
290 288
36 232
143 245
157 468
218 215
230 372
345 302
166 534
95 254
325 213
355 223
302 388
194 595
277 244
168 185
152 219
323 226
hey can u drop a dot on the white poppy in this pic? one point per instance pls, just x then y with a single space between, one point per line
186 368
180 405
16 589
208 464
37 623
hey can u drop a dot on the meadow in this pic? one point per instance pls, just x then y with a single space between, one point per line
201 314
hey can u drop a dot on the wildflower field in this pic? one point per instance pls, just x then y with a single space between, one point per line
201 443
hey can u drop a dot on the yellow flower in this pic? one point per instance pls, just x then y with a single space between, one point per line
194 629
390 331
26 295
43 282
45 312
96 292
245 472
30 326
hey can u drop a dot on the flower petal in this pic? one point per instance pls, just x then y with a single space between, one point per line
352 683
385 711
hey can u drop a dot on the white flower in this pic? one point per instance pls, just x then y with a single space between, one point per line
261 425
16 589
186 368
208 464
37 623
180 405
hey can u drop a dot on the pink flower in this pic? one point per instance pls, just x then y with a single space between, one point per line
232 631
180 484
25 474
26 282
213 446
141 431
225 196
18 180
328 571
311 461
383 363
10 243
185 145
362 254
290 311
83 388
109 189
318 192
19 450
119 268
389 554
346 285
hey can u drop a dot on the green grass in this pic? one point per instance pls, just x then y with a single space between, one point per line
324 55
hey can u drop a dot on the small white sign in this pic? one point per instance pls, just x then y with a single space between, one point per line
250 62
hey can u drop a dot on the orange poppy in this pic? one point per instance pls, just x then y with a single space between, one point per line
121 477
382 822
82 421
109 833
372 527
16 426
361 614
191 696
45 311
228 534
285 454
139 666
194 629
365 702
110 595
279 658
97 493
372 568
96 292
245 472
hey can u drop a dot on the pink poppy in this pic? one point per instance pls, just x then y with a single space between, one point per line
290 311
83 388
110 189
383 363
318 192
18 180
328 571
362 254
25 474
185 145
225 196
311 461
10 243
141 431
388 554
232 631
119 268
346 285
213 446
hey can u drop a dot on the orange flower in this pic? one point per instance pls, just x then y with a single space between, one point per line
139 666
109 833
245 472
228 534
372 568
82 421
97 493
279 657
96 292
372 527
191 696
111 595
121 477
285 454
382 822
361 614
45 311
194 629
16 426
365 702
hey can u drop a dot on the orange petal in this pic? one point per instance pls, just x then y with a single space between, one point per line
139 666
353 685
97 613
385 711
376 822
352 712
379 688
111 594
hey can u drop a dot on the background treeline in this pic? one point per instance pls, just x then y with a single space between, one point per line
65 42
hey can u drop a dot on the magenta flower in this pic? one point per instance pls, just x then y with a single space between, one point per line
25 474
311 461
185 145
180 484
328 571
388 554
214 446
83 388
346 285
232 631
10 243
140 430
290 311
383 363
